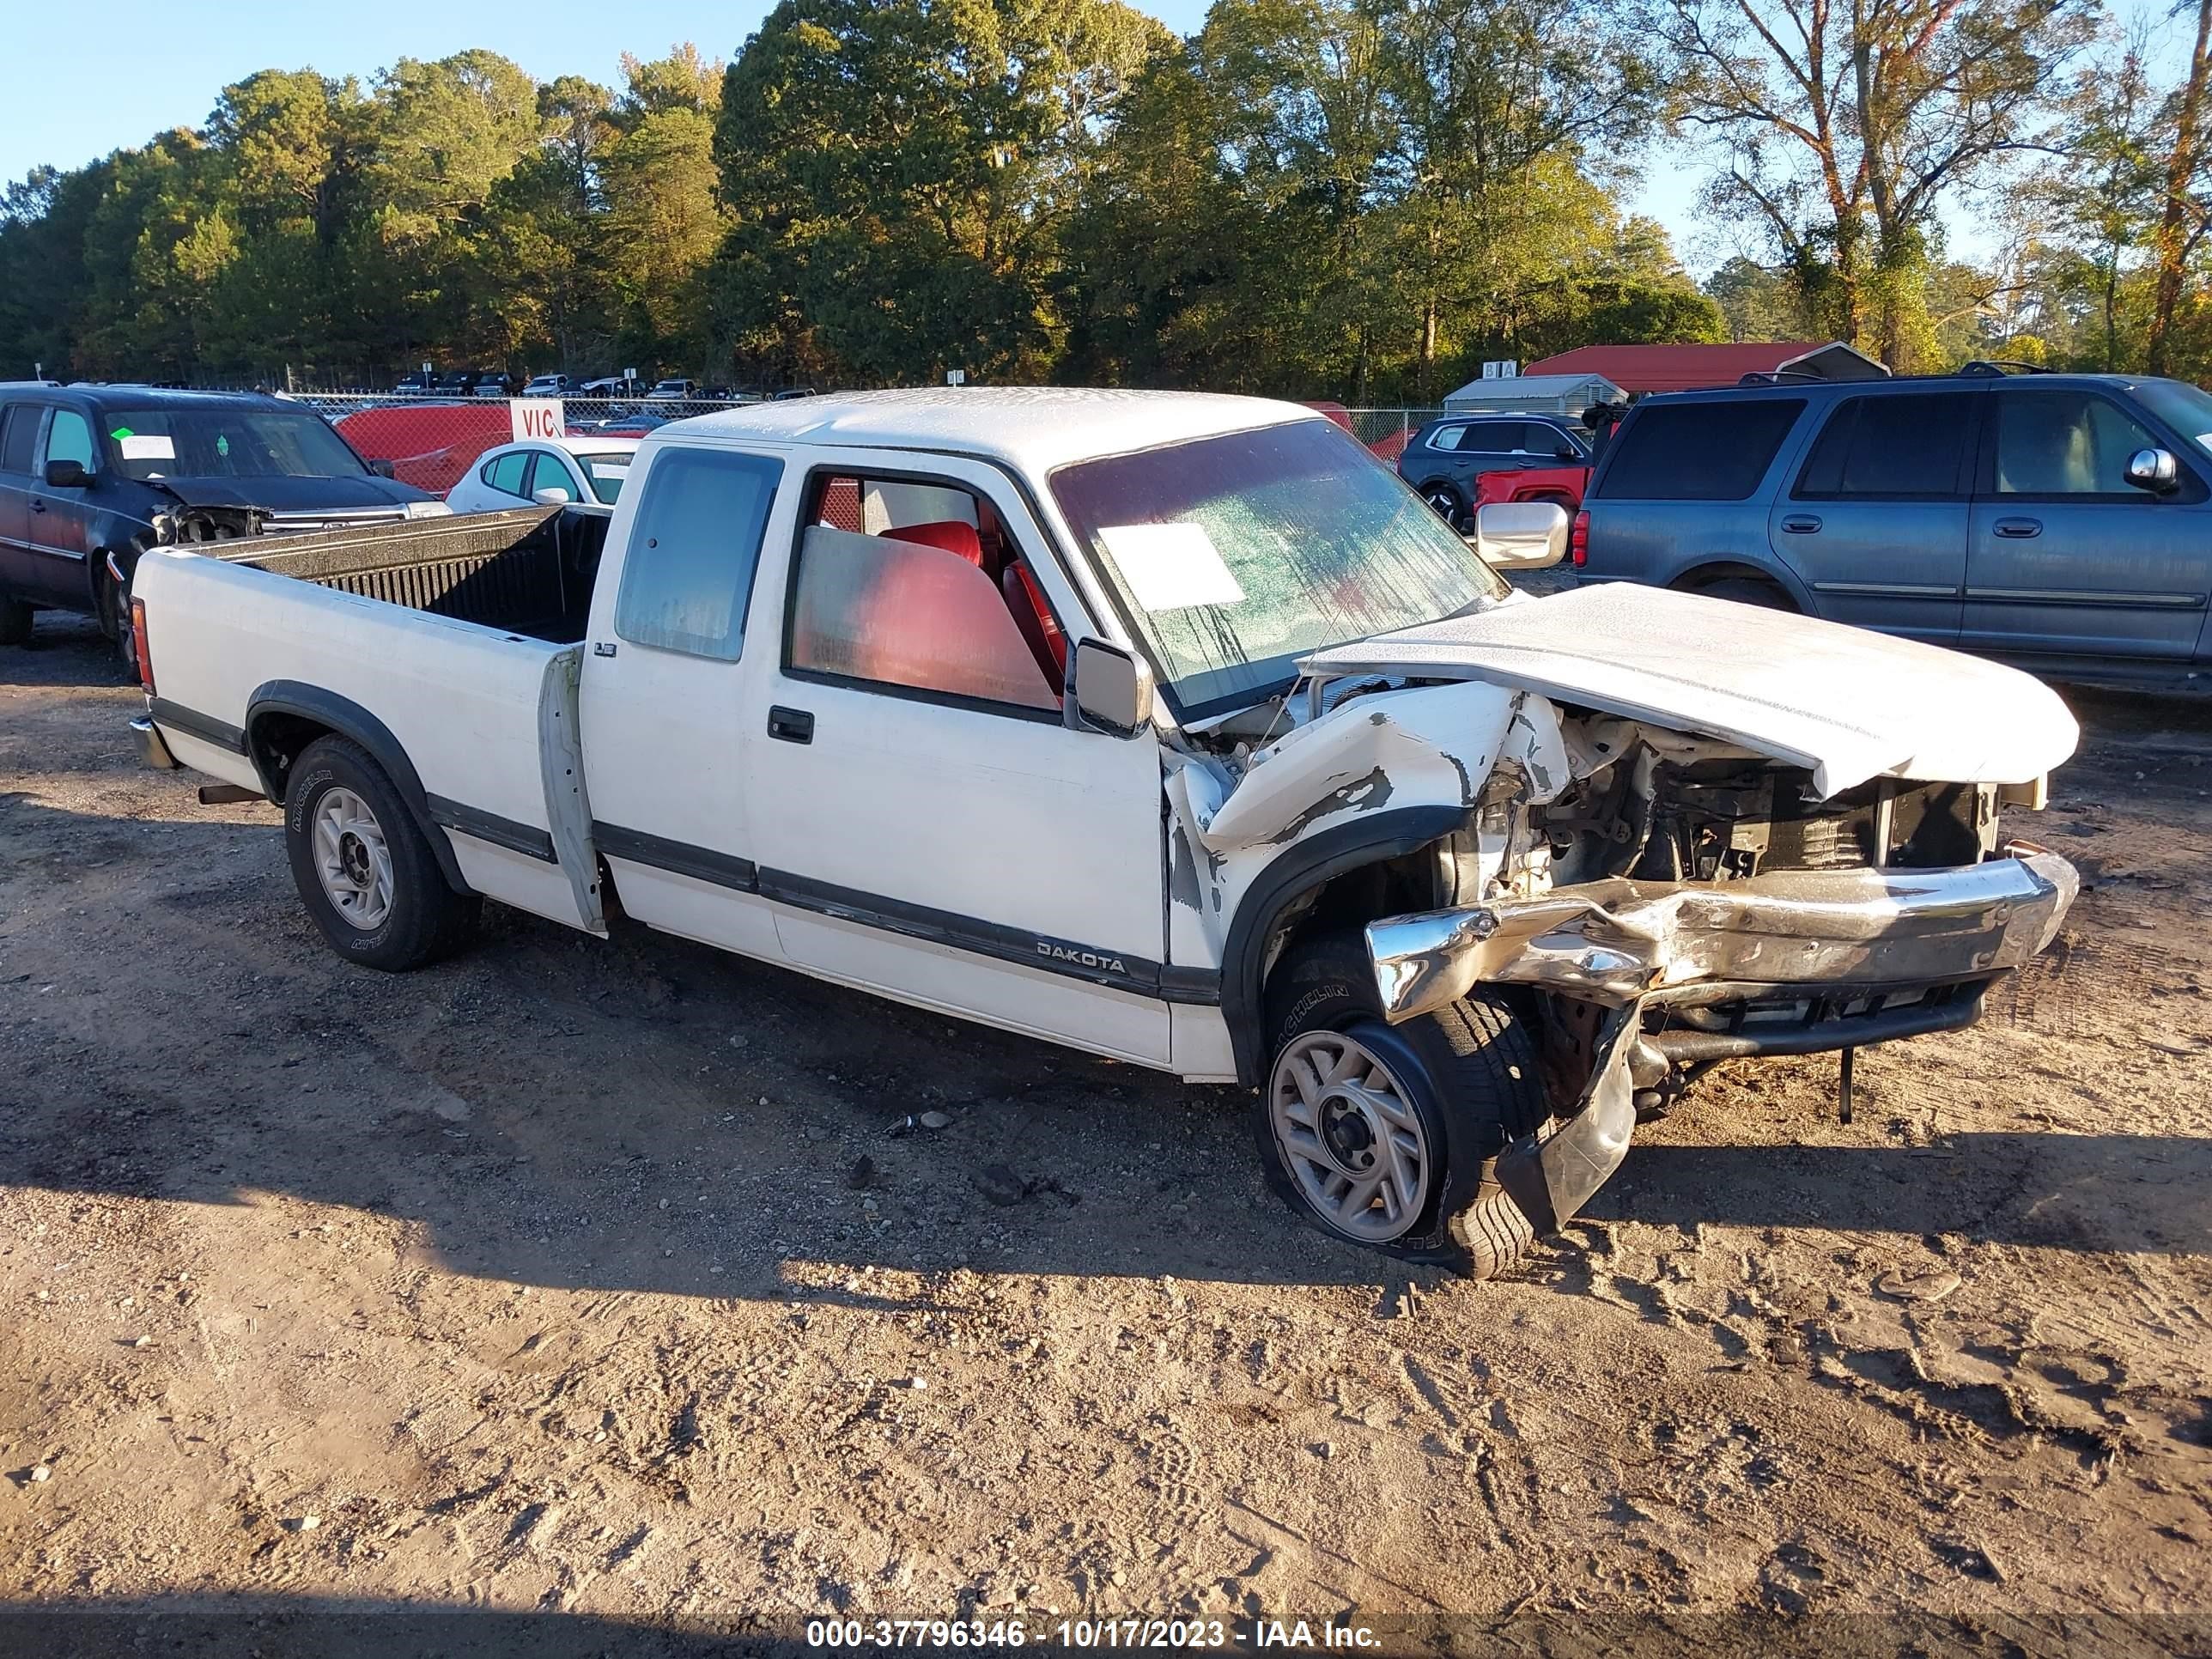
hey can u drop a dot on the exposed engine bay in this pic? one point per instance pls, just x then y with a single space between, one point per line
1614 797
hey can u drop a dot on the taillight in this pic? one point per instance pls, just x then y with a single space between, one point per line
140 647
1578 543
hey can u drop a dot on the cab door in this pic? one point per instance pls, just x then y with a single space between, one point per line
925 822
674 639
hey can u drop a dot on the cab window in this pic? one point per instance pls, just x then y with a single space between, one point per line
917 587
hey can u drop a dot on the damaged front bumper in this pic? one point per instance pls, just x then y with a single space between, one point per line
1615 942
1793 961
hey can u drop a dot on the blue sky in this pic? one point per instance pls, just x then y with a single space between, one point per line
81 84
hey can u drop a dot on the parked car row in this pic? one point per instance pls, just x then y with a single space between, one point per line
488 383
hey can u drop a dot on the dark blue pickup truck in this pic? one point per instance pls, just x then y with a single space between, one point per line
2061 522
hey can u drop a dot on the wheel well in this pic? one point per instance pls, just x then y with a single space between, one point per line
1723 570
275 741
1365 893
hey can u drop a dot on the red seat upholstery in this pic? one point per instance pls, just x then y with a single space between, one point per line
1034 617
952 535
931 623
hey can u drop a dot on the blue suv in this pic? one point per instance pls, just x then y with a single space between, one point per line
2061 522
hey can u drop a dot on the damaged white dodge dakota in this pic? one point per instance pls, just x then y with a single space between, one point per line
1171 728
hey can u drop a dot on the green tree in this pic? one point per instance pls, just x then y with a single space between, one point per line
1844 128
900 173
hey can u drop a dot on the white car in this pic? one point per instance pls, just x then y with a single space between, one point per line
517 475
1172 727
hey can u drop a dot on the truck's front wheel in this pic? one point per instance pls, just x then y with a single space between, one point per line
364 870
1388 1136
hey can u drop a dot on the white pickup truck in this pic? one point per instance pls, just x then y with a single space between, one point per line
1171 728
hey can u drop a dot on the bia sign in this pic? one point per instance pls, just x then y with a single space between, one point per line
535 417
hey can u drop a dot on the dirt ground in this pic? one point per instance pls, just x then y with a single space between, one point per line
586 1294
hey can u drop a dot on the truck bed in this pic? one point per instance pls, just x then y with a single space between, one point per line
527 572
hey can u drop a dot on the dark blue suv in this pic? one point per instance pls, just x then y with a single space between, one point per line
2062 522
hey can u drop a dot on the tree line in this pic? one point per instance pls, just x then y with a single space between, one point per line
1354 198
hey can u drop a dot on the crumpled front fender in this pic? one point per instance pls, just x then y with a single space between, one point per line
1551 1177
1611 942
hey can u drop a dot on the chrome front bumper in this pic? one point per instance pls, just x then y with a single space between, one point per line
1936 936
1615 942
153 749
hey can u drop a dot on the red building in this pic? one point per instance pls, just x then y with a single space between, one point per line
1640 369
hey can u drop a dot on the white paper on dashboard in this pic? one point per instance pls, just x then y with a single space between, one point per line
148 446
612 471
1171 567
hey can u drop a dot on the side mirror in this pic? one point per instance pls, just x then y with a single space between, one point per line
1567 453
71 475
551 495
384 468
2155 469
1109 690
1520 535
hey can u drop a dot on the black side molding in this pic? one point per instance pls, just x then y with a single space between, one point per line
677 857
1067 958
194 723
526 839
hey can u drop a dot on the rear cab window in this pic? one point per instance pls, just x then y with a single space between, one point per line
1711 451
694 546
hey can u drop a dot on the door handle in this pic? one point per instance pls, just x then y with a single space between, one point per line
791 725
2019 530
38 506
1800 524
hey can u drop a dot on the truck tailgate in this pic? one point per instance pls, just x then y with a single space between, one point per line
485 720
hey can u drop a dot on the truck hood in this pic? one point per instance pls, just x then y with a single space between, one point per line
1847 704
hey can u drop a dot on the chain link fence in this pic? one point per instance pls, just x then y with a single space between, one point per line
431 442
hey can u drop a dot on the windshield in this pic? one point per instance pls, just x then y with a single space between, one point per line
241 442
1238 553
606 474
2180 405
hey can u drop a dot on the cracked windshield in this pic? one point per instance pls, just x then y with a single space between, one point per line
1244 552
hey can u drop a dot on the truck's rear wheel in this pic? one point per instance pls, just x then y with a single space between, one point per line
1388 1136
362 866
15 621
